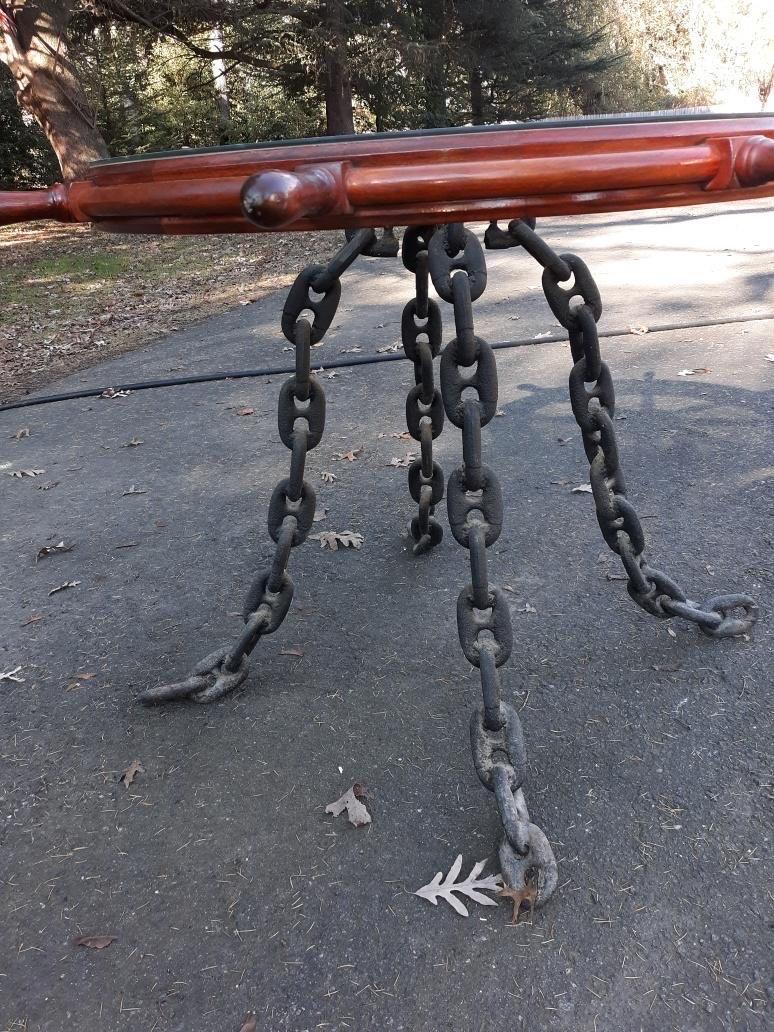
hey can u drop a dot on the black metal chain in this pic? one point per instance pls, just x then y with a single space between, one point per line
592 397
422 337
458 268
300 420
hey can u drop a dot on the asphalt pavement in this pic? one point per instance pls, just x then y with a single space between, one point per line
226 886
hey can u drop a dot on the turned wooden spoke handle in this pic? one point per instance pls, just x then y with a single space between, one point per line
276 199
30 205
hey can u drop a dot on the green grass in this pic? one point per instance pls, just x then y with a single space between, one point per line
88 266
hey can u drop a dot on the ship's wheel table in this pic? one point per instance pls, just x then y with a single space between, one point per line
432 183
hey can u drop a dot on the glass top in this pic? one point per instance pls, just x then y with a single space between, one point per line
681 115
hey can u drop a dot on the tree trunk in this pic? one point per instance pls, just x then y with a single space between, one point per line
221 85
339 116
476 97
33 46
433 20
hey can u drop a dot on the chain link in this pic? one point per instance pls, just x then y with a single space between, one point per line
300 421
474 501
592 398
422 337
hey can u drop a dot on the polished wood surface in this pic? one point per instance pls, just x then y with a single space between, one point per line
412 178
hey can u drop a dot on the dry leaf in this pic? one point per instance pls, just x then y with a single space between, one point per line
53 549
671 633
131 772
405 461
133 442
65 586
540 336
246 412
248 301
12 675
389 347
249 1024
328 478
692 372
564 440
349 456
23 432
132 490
582 489
111 392
639 330
19 473
294 650
76 680
500 412
333 538
349 351
473 887
319 515
526 608
94 942
518 898
48 486
401 435
356 811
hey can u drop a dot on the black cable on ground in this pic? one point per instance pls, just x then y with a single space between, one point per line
243 374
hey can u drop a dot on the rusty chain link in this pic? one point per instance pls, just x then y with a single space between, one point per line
592 396
300 420
422 337
474 500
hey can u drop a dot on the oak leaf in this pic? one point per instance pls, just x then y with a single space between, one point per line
357 813
473 887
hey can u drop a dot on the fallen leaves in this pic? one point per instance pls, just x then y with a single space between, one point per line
328 478
132 490
389 347
526 608
133 442
319 515
77 680
405 461
582 489
348 456
518 898
23 432
94 942
110 393
357 813
638 330
293 650
245 412
17 474
249 1024
53 550
473 887
333 538
131 772
694 372
12 675
64 587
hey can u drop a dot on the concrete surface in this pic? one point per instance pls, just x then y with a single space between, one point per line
226 885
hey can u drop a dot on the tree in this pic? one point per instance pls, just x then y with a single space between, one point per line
34 48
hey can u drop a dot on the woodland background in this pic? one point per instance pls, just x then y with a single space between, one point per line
84 79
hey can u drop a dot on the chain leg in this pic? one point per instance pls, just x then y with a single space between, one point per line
474 501
592 397
422 336
293 501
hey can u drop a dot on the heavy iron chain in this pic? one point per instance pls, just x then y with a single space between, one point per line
422 337
592 397
292 504
474 500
